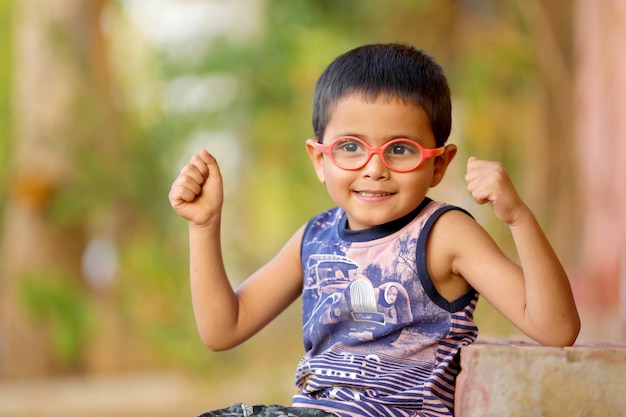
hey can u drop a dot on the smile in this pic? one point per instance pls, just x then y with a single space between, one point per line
369 194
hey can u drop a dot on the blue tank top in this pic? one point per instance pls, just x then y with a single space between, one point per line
379 339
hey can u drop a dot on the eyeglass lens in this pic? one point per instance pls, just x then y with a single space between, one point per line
402 154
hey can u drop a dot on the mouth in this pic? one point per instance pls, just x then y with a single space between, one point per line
373 194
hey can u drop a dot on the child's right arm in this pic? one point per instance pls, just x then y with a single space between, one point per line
226 318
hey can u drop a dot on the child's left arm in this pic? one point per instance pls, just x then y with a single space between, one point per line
550 315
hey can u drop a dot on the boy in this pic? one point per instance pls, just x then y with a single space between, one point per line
389 279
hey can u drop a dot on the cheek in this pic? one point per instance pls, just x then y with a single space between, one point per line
338 182
418 184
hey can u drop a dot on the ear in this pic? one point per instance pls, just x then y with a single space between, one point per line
317 158
441 164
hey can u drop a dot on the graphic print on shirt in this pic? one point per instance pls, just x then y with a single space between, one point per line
346 296
358 297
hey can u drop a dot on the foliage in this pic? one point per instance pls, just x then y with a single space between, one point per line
153 293
58 303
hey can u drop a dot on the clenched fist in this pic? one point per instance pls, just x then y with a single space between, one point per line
488 182
197 194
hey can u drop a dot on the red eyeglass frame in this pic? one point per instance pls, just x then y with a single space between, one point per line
425 153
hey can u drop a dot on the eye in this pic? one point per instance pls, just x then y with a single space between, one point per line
403 148
348 146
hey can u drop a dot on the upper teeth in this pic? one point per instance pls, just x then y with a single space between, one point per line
366 194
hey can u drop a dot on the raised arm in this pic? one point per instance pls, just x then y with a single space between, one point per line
225 317
536 296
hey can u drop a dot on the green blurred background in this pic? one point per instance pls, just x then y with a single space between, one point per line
103 101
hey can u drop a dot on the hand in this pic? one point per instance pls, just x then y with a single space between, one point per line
197 194
488 182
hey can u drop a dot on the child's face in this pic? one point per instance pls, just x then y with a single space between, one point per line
374 194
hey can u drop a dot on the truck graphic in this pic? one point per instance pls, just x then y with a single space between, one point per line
335 280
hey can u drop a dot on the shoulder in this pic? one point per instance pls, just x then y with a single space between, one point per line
443 232
436 214
450 238
324 220
453 228
465 246
438 208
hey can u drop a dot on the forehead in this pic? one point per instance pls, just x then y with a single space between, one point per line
382 117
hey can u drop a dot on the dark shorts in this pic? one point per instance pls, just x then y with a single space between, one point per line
243 410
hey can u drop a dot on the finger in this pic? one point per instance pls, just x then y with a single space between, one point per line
211 164
474 187
478 185
474 163
200 166
203 166
198 162
190 173
190 183
479 197
206 156
184 191
473 168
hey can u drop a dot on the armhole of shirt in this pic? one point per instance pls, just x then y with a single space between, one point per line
307 227
424 275
321 217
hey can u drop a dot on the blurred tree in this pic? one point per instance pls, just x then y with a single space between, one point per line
81 184
60 106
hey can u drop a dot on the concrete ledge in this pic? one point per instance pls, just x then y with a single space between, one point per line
530 380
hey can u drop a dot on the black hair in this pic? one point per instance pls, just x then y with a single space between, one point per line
396 70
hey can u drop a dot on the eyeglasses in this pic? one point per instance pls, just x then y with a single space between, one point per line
399 155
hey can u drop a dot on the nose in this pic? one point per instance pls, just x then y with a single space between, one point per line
375 168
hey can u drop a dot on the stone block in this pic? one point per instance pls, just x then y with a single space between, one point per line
510 380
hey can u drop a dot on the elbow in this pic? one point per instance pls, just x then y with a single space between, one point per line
217 344
566 336
216 347
574 332
213 345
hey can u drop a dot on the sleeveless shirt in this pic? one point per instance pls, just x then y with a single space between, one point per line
379 339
